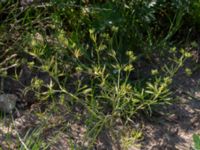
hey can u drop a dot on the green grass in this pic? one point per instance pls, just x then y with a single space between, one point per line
110 60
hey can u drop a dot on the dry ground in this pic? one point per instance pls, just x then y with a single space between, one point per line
169 129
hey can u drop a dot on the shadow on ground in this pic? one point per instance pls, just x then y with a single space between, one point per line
174 126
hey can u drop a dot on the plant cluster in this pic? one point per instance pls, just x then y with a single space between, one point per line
112 59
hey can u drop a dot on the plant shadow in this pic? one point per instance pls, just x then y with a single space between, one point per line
173 126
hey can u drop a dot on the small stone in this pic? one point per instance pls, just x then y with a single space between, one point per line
7 102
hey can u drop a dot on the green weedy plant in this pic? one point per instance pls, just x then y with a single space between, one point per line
139 18
112 96
32 140
91 51
195 11
196 139
9 62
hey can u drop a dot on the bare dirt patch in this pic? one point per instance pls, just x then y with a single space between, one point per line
173 127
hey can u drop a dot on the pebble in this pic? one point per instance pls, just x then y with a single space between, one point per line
7 102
